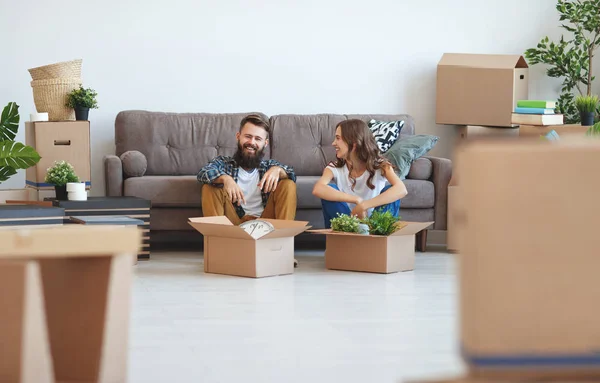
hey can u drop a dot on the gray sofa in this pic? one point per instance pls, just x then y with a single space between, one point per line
177 145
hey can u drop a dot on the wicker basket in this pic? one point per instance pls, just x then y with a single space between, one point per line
51 96
65 69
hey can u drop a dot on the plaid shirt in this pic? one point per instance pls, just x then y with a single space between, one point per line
225 165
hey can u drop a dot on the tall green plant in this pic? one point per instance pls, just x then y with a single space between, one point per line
571 59
13 155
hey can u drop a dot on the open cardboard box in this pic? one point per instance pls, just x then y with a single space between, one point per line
228 249
372 253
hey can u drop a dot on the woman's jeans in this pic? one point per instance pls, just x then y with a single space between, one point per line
331 208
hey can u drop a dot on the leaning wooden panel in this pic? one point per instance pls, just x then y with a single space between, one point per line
23 332
86 277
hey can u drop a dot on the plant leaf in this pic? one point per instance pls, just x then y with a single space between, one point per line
6 172
9 122
17 155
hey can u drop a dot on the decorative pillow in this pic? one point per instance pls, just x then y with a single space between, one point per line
386 133
407 149
420 169
134 163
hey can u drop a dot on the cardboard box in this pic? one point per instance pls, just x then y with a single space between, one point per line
561 130
372 253
56 141
528 265
86 301
23 335
452 236
480 89
230 250
476 131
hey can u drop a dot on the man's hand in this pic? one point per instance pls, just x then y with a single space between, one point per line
270 179
359 210
234 192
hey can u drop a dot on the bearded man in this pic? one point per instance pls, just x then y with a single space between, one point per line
246 187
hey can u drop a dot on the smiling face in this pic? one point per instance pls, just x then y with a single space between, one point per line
252 140
341 147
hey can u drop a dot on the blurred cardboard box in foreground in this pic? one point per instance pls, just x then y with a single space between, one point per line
529 258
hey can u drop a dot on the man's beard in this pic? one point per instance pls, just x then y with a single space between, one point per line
247 160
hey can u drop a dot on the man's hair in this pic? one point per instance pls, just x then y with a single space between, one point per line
256 119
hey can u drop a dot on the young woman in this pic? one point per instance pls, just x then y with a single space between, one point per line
360 180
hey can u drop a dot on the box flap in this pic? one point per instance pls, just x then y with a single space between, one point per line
492 61
288 232
284 223
219 220
218 227
409 228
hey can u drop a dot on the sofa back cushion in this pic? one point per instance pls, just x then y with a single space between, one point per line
178 143
304 141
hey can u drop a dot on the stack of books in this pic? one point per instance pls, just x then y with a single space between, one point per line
536 112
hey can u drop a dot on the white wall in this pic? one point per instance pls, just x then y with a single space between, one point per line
308 56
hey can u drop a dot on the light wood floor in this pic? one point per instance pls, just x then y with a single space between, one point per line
314 326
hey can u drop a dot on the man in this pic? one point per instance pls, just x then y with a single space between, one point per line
246 187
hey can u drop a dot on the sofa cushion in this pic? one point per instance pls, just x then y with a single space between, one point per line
134 163
304 188
420 169
176 191
178 143
421 195
304 141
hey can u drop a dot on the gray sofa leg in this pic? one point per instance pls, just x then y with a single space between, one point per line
421 241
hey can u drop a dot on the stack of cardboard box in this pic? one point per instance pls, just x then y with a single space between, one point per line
528 260
57 141
478 92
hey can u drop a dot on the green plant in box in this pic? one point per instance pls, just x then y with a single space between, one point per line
345 223
381 223
13 155
61 173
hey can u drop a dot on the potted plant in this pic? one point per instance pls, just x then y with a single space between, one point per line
586 105
13 155
59 175
570 58
82 100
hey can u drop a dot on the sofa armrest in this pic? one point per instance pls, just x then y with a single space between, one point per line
440 176
113 176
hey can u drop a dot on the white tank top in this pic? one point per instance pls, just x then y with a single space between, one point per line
341 176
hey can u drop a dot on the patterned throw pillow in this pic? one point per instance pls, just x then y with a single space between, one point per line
386 133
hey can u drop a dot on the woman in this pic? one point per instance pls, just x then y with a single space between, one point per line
360 180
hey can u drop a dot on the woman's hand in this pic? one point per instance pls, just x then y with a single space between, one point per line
360 210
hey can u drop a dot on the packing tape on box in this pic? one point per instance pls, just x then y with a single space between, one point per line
38 116
76 187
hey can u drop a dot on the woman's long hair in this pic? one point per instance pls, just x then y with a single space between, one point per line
359 138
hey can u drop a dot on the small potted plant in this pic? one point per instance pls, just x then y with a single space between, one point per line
59 175
586 105
82 100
